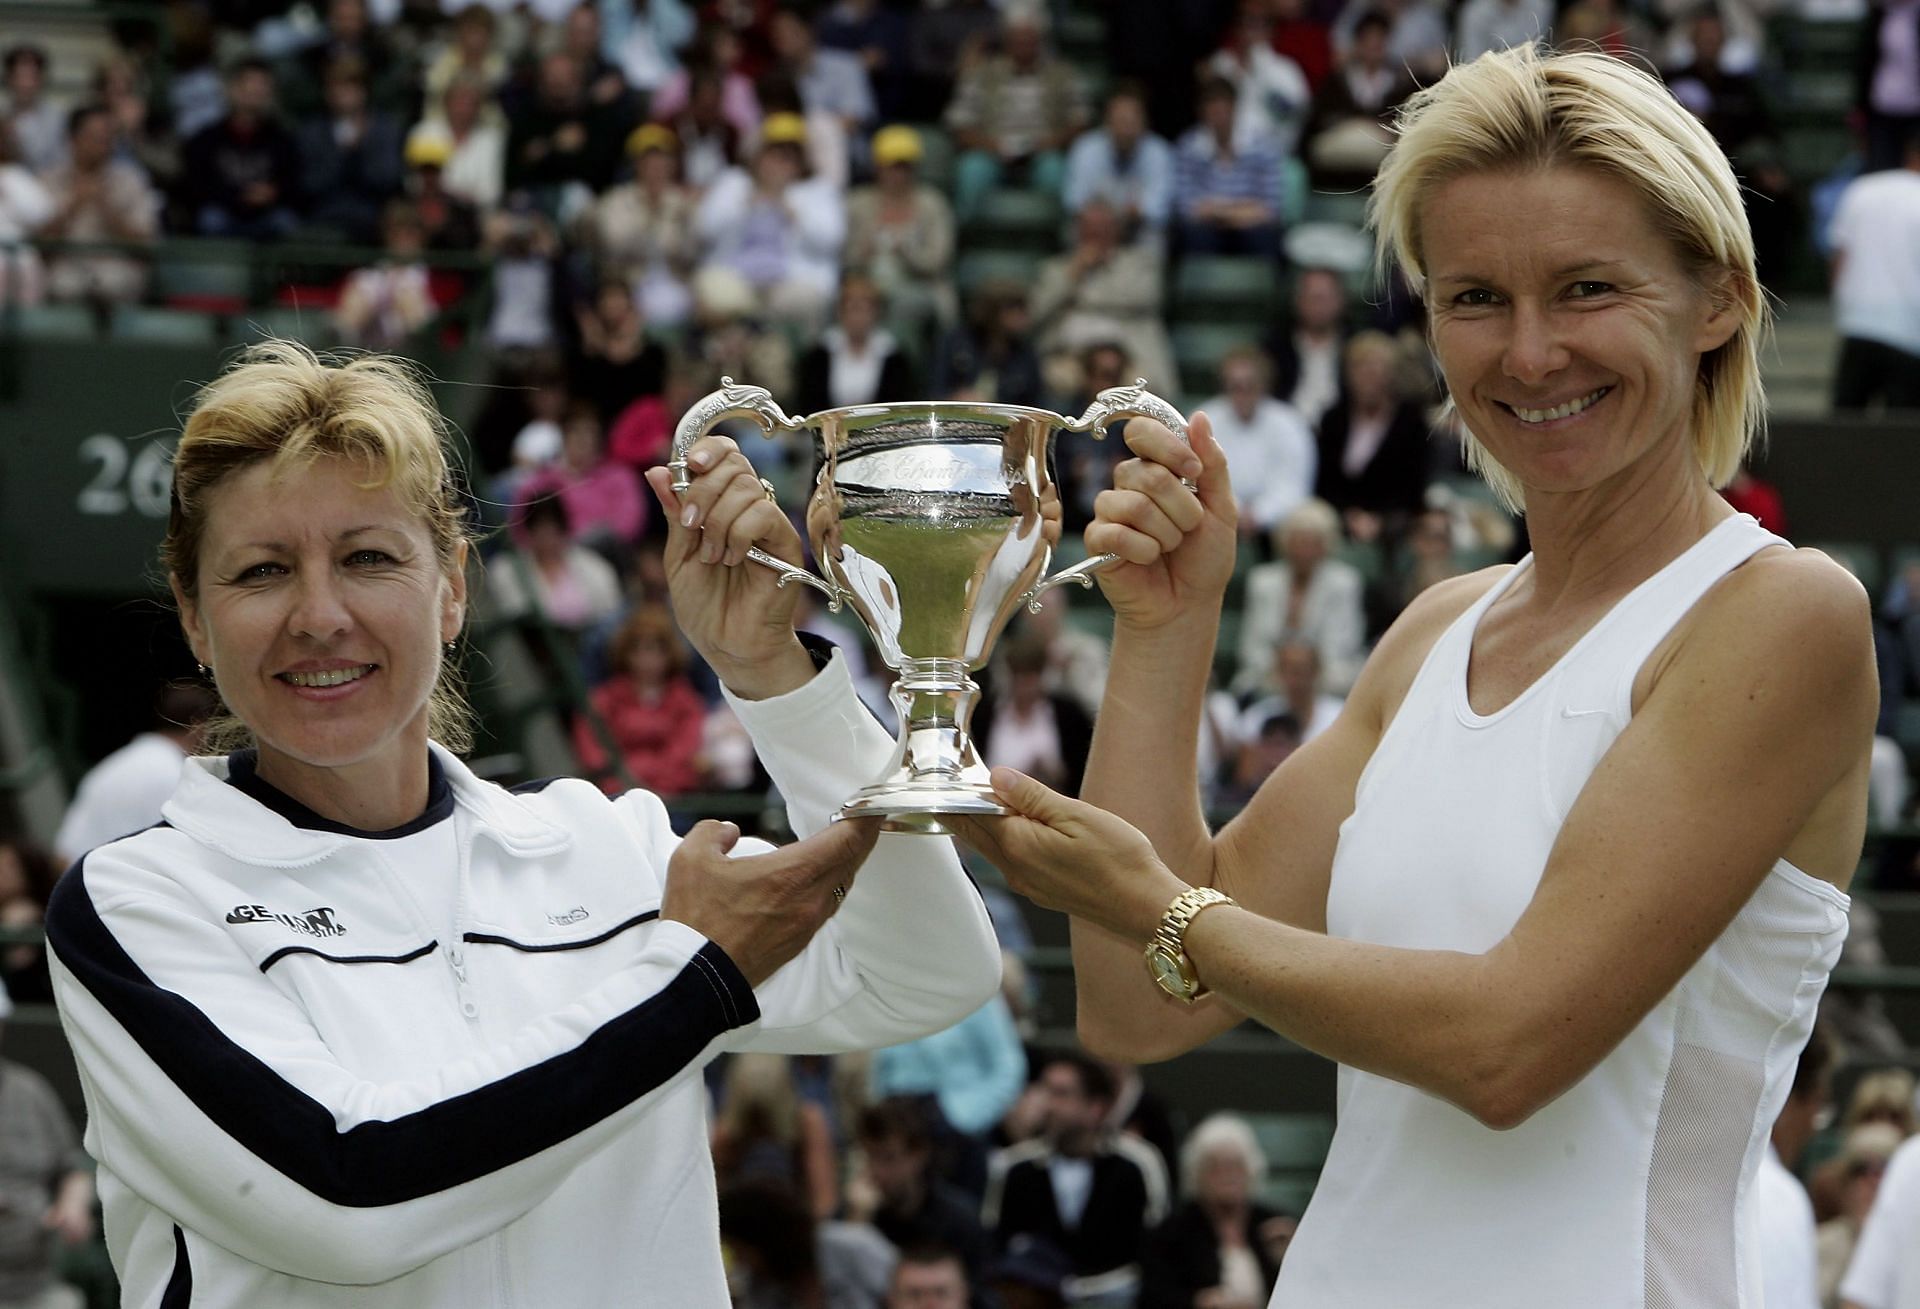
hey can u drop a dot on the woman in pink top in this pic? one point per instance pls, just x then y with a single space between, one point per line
650 709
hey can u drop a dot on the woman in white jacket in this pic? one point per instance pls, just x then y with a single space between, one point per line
355 1026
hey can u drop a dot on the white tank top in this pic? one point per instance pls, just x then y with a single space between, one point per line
1632 1190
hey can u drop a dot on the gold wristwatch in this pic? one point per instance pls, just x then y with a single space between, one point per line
1167 961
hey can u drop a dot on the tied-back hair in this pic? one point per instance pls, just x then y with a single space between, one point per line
279 403
1521 109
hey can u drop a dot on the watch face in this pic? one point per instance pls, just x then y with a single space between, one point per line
1166 971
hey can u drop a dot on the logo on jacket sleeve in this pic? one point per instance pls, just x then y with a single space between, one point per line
314 922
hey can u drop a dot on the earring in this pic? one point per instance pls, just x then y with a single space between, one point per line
452 648
206 673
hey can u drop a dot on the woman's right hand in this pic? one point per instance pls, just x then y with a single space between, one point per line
763 909
1177 547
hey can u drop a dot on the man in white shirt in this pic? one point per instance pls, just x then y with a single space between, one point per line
1876 287
1268 444
123 792
1789 1267
1885 1271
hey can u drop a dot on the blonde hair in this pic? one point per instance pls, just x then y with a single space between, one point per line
281 404
1522 109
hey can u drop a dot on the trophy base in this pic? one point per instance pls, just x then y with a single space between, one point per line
917 806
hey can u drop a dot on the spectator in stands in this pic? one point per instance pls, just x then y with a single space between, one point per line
349 36
1347 133
1125 164
1301 36
967 1079
1032 1273
1734 109
829 80
1084 468
711 141
1428 559
606 509
475 135
1373 444
1013 115
1230 189
46 1188
1307 347
645 39
448 222
351 157
1271 92
1301 696
25 205
241 176
1745 31
1265 741
991 355
563 139
195 97
729 339
1789 1267
39 124
124 791
548 572
1102 290
900 234
1604 25
857 361
1076 659
141 137
583 37
897 1190
1886 1259
944 41
763 1131
614 363
1304 595
775 228
1887 83
528 302
98 198
1419 38
880 37
383 305
1268 443
1093 1194
1141 1113
829 146
1876 285
929 1277
641 231
1861 1163
28 873
654 718
779 1257
1222 1247
1021 725
471 54
1485 25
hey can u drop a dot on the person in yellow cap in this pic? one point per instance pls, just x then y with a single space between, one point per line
641 231
775 228
900 233
445 221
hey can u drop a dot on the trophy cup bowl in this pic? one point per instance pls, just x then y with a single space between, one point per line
935 521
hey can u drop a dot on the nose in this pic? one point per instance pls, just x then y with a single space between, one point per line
1534 352
319 610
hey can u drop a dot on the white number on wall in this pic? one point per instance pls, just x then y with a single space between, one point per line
123 481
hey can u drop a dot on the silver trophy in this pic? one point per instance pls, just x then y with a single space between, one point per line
935 521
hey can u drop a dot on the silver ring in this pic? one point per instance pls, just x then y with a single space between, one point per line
767 486
839 894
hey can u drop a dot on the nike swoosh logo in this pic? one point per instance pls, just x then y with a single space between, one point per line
1571 712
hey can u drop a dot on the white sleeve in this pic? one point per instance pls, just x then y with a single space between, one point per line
211 1094
1846 218
1887 1238
912 950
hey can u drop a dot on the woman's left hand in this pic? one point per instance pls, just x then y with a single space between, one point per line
732 609
1065 854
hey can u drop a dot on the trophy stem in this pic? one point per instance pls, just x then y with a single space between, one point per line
935 769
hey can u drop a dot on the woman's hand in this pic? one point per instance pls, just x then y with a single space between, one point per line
733 610
763 909
1177 547
1067 855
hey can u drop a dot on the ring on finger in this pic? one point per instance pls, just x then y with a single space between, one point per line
767 486
839 894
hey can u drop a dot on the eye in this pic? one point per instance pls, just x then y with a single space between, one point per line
259 572
1588 290
371 558
1478 297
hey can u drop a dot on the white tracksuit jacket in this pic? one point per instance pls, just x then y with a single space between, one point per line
300 1094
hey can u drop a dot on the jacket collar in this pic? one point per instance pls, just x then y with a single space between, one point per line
223 817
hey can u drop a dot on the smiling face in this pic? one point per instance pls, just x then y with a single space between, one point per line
1569 332
322 609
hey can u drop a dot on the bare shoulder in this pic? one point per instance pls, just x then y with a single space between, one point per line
1404 646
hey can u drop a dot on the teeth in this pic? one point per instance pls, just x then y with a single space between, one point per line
1567 410
332 677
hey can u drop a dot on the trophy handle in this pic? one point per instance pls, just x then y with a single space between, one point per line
1115 402
755 402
